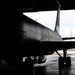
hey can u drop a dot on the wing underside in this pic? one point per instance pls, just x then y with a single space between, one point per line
42 48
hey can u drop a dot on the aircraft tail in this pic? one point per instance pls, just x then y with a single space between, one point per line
57 26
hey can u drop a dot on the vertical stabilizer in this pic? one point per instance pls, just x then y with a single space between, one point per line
57 26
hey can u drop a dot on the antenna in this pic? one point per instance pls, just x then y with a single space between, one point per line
58 3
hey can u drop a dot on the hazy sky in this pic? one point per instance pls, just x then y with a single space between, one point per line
48 18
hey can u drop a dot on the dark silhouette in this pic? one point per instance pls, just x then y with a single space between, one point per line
29 66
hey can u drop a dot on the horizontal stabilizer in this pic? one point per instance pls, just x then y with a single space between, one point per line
68 38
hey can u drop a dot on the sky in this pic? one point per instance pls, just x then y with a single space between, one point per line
48 19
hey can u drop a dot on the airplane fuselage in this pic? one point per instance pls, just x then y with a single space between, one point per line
32 30
19 32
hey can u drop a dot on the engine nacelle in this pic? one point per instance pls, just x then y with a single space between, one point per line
40 59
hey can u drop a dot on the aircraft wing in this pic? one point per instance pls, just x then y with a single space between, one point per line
60 45
42 48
